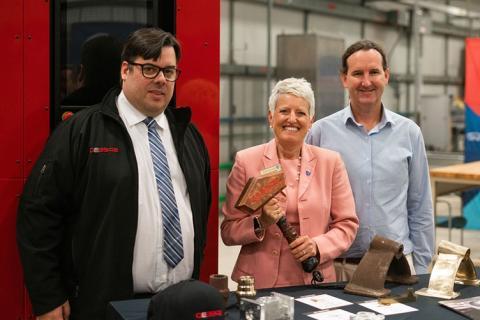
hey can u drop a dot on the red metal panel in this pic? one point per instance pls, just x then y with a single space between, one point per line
36 86
11 114
11 30
11 284
37 79
472 74
198 29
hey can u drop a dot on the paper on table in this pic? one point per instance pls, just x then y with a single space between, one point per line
337 314
323 301
393 308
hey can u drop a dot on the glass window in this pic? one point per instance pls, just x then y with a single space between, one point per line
87 44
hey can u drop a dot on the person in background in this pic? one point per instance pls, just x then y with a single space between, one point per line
317 201
117 205
98 71
386 162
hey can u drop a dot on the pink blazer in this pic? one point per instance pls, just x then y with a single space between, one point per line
326 212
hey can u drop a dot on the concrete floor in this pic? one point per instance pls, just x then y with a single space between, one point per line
228 255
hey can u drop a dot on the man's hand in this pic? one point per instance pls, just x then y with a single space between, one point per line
59 313
303 247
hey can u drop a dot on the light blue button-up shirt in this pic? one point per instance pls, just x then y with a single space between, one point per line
388 172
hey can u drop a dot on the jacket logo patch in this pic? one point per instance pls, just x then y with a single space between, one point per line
208 314
104 150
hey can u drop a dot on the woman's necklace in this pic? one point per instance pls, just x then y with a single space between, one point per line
299 167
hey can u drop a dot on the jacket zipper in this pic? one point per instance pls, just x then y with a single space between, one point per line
39 181
77 289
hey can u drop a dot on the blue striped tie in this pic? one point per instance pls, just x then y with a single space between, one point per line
172 232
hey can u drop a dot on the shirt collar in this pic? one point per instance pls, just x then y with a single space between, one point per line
348 115
386 117
133 116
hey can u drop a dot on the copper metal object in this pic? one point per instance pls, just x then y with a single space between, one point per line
220 282
453 265
384 261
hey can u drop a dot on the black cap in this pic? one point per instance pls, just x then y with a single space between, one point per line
188 299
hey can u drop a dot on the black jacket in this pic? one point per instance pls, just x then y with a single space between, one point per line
77 217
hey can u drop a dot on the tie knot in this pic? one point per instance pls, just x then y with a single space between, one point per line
149 121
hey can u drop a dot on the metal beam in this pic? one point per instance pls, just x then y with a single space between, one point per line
409 78
454 31
245 70
447 9
357 12
261 71
333 8
106 3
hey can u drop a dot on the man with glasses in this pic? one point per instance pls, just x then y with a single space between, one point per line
117 205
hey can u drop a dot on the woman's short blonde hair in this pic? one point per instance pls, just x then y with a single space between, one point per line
296 86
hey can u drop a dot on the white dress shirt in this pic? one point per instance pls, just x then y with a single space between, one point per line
150 271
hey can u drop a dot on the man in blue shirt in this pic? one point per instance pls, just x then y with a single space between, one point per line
386 162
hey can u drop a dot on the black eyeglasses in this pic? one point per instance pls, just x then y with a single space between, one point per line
151 71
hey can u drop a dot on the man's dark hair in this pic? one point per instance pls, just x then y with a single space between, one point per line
148 43
362 45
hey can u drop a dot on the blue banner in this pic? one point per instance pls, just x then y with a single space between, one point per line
471 199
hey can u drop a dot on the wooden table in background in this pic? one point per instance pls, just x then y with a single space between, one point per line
455 178
459 177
